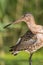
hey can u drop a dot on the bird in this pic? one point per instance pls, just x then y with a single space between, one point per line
32 40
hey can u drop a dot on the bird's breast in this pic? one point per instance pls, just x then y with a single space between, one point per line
40 37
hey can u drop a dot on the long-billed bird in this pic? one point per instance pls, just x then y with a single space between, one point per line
32 40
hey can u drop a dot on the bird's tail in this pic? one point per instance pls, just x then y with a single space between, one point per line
15 49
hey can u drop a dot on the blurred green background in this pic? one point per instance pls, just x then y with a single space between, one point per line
11 10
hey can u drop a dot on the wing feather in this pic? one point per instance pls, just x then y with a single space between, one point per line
24 42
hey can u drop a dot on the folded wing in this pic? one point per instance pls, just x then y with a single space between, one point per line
23 43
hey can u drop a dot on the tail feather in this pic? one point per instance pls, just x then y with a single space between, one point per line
11 50
14 49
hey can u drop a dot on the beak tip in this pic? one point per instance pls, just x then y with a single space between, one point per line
7 26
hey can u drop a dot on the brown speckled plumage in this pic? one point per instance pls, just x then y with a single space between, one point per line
27 42
32 40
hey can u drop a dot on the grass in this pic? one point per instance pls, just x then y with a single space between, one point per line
22 59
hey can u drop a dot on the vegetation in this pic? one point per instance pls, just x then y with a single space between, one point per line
10 10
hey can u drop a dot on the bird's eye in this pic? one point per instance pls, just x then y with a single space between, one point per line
26 15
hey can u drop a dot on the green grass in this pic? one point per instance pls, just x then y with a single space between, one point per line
22 59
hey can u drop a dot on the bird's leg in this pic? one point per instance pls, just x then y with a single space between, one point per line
30 59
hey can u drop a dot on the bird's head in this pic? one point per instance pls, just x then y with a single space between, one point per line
27 18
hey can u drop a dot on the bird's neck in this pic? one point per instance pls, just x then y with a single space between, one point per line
31 26
34 28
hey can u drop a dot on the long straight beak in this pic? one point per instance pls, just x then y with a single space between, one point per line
15 22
